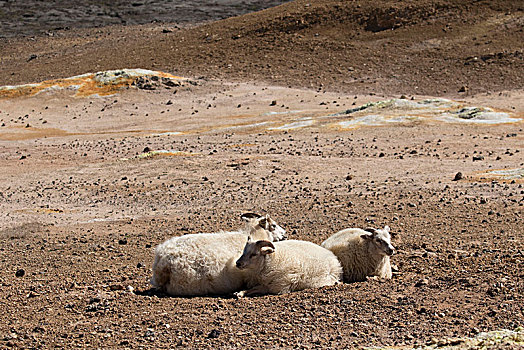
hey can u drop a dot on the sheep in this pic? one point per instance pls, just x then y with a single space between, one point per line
204 264
362 253
287 266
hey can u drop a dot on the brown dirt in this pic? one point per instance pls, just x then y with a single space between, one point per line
412 47
81 212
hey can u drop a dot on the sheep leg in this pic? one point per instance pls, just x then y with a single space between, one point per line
256 290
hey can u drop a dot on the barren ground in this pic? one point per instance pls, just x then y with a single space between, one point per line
84 200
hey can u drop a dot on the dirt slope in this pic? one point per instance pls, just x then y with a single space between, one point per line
411 47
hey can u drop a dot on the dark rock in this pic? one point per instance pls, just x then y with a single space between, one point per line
215 333
20 273
458 176
422 282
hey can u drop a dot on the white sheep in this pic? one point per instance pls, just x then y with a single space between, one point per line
287 266
204 263
362 253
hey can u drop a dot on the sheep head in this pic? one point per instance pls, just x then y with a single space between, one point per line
254 254
379 241
263 227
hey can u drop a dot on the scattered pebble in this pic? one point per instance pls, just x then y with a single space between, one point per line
458 176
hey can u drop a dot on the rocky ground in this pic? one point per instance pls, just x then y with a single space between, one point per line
93 181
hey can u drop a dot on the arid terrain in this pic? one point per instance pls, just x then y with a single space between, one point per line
323 114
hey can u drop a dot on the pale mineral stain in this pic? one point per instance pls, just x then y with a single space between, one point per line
100 83
295 125
403 111
476 115
169 133
505 174
280 113
245 126
375 120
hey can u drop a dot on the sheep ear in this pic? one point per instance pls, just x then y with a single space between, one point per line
386 228
249 216
371 230
262 244
263 222
366 236
267 250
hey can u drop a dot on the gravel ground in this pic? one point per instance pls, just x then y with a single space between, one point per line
85 198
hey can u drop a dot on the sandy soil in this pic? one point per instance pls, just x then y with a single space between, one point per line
92 183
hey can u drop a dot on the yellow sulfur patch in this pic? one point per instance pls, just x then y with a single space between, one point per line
100 83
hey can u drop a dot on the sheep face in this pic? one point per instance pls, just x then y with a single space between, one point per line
275 232
380 241
254 254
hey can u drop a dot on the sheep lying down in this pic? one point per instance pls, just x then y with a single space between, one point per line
204 263
287 266
362 253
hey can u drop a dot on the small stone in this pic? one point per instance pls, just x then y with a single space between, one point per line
32 294
422 282
463 88
215 333
116 287
273 103
477 158
429 254
122 241
20 273
146 149
458 176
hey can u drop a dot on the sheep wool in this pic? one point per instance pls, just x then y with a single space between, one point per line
204 263
287 266
362 253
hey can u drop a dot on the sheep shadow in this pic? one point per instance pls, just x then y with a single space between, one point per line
153 292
